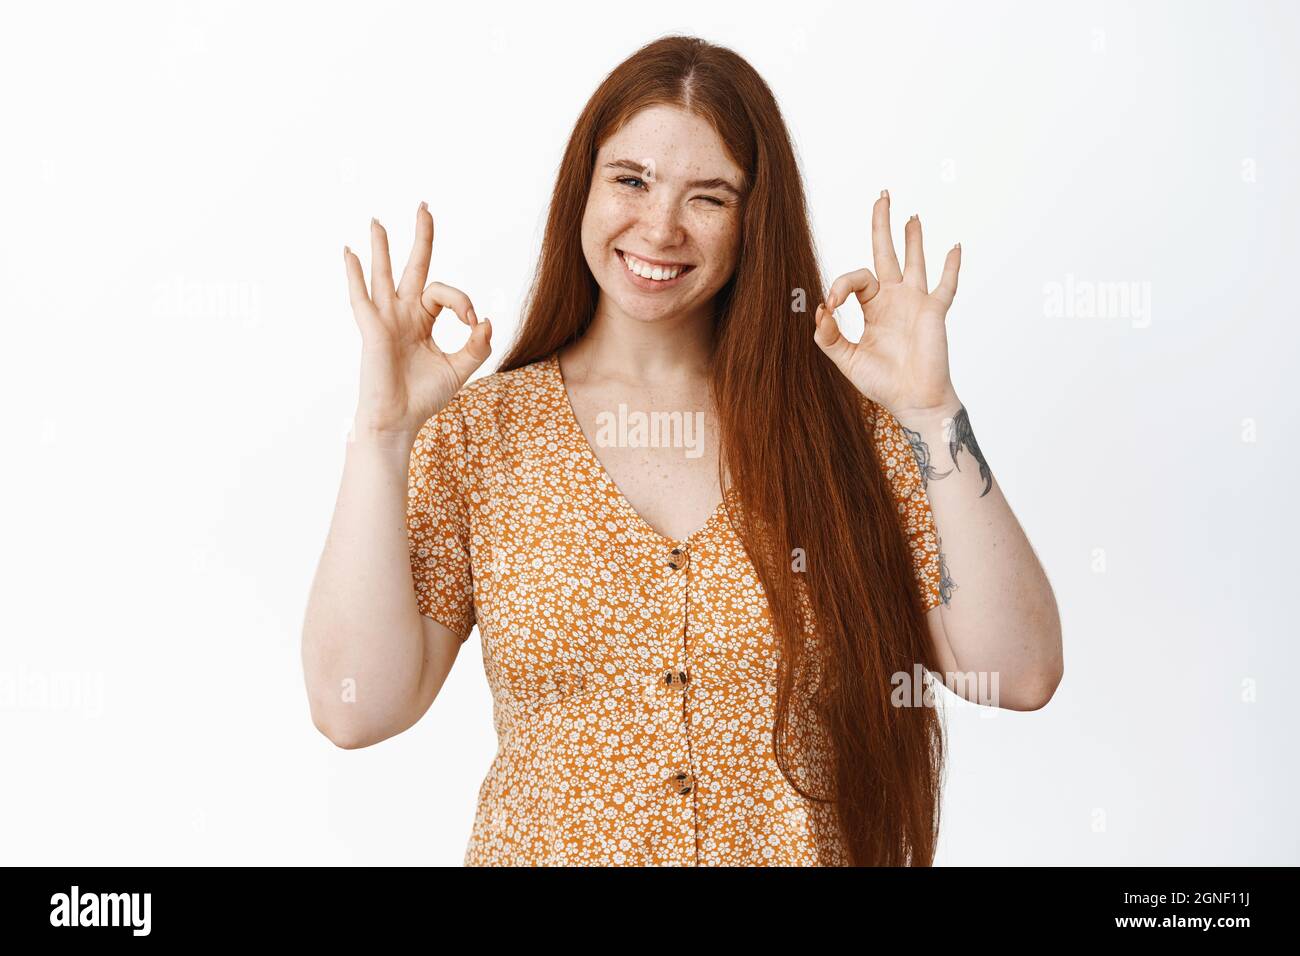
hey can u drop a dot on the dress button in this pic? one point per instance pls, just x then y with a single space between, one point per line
680 783
677 558
675 679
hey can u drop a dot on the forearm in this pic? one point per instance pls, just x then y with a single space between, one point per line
362 642
998 608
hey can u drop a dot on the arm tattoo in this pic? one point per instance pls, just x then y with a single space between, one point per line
962 437
946 584
921 452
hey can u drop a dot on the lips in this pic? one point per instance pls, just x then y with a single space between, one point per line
649 267
649 284
685 267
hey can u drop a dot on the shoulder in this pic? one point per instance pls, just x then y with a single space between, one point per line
489 409
516 387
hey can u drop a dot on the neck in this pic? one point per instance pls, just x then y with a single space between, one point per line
671 351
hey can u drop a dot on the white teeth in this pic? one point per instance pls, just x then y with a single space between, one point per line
647 271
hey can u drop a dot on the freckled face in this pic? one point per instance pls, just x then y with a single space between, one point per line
653 212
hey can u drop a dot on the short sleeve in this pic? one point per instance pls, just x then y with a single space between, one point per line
915 517
437 522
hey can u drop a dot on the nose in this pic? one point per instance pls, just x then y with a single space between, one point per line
662 222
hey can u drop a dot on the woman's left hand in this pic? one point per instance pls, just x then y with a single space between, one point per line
901 362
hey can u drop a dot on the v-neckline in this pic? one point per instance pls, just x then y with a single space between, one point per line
583 446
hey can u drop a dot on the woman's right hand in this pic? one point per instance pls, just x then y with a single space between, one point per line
405 377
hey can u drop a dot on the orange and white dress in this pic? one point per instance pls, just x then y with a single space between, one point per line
632 675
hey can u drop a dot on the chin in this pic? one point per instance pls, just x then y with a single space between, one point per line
641 312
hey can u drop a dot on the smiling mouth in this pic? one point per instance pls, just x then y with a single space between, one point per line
654 273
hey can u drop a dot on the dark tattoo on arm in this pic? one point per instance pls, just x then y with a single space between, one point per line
946 583
921 452
962 437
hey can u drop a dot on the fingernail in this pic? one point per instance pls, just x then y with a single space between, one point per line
423 205
346 250
913 216
473 316
374 221
884 194
958 246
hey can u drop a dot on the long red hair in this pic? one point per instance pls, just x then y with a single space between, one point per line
793 438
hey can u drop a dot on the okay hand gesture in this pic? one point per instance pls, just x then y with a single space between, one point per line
405 377
901 362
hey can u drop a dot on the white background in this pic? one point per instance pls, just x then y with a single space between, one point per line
179 369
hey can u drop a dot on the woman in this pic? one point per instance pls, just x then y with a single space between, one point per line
696 658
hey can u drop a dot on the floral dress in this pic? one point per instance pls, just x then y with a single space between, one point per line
632 675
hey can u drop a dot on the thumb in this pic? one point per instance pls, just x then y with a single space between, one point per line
828 336
474 352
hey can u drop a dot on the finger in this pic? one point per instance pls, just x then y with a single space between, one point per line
356 281
829 338
363 310
946 290
882 242
860 282
417 266
914 255
438 296
356 294
466 360
381 270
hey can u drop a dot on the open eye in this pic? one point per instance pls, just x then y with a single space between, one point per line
627 180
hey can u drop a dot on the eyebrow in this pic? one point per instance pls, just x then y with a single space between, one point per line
715 183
